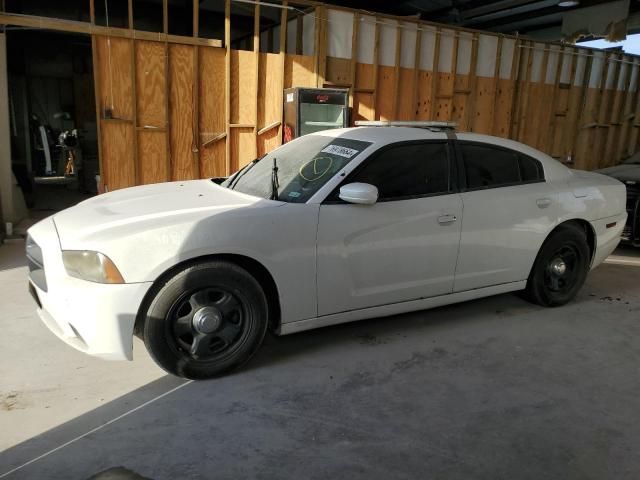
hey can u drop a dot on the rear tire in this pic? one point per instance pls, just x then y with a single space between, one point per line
560 268
206 320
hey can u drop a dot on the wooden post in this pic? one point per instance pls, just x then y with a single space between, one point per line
396 70
608 115
547 141
586 79
570 121
167 88
596 110
416 74
376 52
283 54
256 82
628 115
195 148
527 89
473 75
136 166
321 46
227 82
454 72
543 83
434 72
496 80
515 77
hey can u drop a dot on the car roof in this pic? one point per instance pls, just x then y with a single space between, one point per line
384 135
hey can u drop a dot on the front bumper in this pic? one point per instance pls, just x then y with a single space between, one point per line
94 318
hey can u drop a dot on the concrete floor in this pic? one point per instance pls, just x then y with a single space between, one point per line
489 389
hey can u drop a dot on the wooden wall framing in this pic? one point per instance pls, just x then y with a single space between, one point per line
177 108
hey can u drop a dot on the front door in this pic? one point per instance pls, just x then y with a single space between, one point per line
402 248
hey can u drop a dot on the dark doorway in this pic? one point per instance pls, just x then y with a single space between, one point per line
54 145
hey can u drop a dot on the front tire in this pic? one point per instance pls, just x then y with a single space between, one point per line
205 320
560 268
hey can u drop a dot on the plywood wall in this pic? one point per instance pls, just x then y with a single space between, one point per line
171 111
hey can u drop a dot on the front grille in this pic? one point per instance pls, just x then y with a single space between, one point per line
35 261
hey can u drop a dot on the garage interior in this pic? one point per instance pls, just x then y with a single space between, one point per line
167 90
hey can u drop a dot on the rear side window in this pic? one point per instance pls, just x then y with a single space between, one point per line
408 170
530 169
489 167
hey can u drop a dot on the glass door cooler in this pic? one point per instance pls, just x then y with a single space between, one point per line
308 110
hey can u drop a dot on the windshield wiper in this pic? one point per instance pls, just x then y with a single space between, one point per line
239 174
274 180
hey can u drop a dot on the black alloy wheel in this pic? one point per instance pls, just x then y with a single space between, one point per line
560 268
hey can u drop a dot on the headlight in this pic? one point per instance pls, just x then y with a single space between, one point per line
91 266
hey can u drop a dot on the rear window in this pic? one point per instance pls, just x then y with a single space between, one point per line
489 167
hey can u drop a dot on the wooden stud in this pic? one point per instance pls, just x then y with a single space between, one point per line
195 147
321 46
631 145
98 96
72 26
396 71
136 166
527 89
622 116
165 17
547 139
167 88
92 11
473 75
586 80
283 56
496 80
299 28
566 135
515 77
227 82
196 18
416 73
376 54
596 111
454 72
354 60
608 115
627 115
434 72
554 118
256 54
542 81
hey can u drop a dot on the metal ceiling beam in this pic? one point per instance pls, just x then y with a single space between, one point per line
529 15
491 7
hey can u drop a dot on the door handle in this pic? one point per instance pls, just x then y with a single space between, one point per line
543 202
447 219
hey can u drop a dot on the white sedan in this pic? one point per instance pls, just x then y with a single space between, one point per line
332 227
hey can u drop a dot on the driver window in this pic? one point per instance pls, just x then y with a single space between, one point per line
408 170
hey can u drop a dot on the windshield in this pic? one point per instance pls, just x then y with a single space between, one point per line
304 165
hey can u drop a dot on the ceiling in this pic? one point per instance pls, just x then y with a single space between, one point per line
505 16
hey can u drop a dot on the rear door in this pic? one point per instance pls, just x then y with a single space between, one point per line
508 211
402 248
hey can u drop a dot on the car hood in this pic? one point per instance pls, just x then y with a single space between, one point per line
624 172
150 206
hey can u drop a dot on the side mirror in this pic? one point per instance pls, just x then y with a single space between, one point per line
361 193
